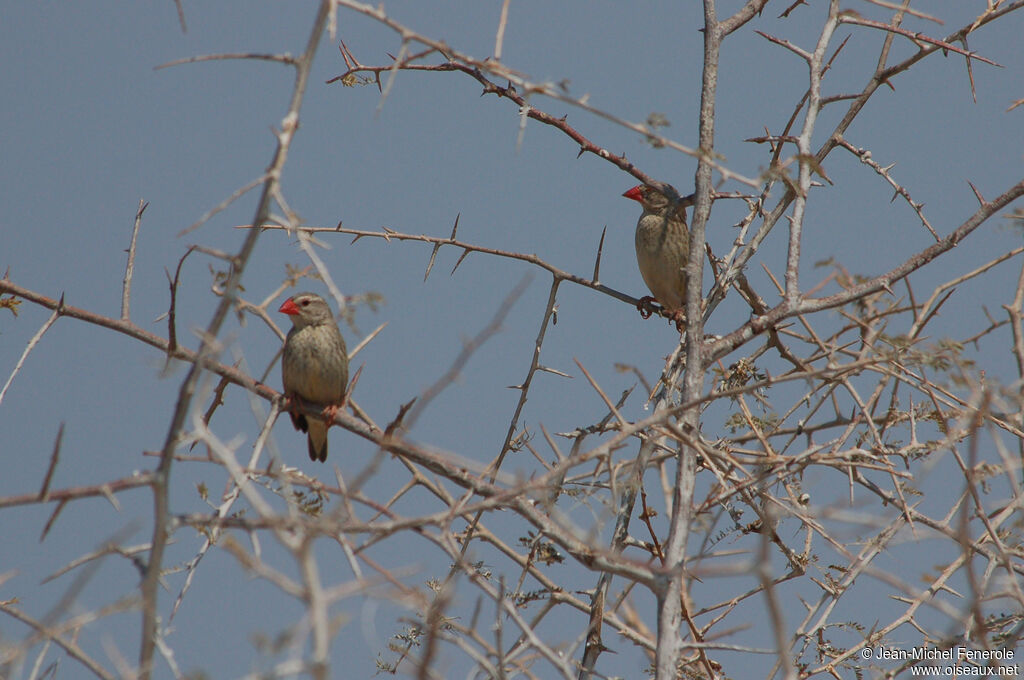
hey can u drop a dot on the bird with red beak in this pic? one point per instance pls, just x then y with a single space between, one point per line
314 367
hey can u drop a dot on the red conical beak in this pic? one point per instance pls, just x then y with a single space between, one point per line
636 193
288 307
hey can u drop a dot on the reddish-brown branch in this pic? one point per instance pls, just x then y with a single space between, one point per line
73 493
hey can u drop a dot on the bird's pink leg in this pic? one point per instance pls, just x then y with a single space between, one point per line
679 318
332 410
644 306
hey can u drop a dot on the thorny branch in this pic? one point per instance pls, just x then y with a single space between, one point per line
867 399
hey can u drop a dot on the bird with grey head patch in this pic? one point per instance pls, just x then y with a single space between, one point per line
314 366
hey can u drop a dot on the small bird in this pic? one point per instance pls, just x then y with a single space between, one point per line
662 249
314 366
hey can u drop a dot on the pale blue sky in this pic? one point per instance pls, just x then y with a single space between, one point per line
88 127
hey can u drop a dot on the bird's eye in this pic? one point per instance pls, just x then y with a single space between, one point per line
304 303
